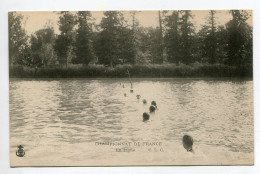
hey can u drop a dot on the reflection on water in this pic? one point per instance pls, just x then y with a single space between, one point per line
68 112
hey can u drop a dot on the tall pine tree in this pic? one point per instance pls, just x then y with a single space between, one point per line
212 38
83 46
108 38
186 37
207 39
172 37
115 43
65 38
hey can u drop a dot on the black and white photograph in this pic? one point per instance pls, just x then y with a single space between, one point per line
131 88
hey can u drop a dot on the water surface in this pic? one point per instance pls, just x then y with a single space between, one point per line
58 121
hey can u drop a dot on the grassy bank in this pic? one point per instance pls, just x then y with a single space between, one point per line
145 71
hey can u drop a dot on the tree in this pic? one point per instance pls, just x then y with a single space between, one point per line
240 39
155 46
134 23
36 45
142 45
172 37
186 37
42 43
126 46
207 39
160 60
114 44
17 39
221 45
108 45
148 47
212 37
212 41
83 45
63 45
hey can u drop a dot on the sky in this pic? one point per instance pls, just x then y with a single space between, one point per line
34 21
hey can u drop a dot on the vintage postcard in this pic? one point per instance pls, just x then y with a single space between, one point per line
131 88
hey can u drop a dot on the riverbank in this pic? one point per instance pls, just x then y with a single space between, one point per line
137 71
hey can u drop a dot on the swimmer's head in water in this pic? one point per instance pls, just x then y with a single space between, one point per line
146 116
152 108
187 141
154 103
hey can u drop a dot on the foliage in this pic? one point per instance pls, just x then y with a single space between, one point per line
239 39
66 37
83 45
172 37
207 38
186 36
115 41
115 46
42 50
142 45
17 39
137 71
108 46
154 41
148 47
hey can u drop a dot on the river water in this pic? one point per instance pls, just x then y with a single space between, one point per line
90 122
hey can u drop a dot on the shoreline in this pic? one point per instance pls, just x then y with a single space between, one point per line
136 78
136 71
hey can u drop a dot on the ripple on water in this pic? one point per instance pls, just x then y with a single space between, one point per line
216 113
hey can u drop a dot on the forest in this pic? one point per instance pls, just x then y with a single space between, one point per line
175 48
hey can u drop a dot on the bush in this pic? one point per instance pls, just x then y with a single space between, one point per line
138 71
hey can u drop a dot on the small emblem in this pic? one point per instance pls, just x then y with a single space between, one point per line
20 152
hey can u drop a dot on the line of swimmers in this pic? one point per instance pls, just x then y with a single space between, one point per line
187 140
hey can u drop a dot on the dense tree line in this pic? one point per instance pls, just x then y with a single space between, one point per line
114 41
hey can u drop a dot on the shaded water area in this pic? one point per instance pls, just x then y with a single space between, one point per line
63 121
